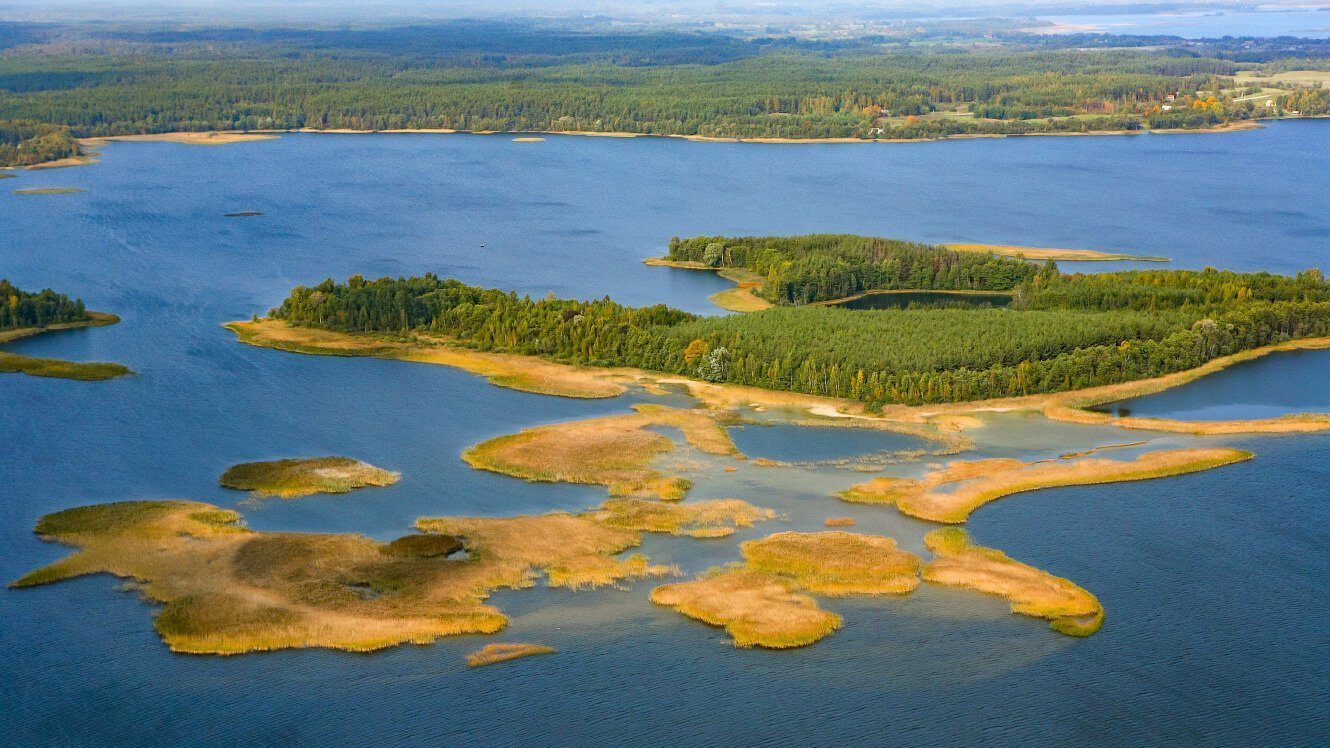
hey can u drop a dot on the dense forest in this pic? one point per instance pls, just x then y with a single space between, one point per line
822 267
20 308
24 143
484 77
1071 331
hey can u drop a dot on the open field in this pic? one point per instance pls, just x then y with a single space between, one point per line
1288 77
951 493
290 479
613 451
1032 592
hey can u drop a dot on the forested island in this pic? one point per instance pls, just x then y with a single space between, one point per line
1061 332
484 77
25 313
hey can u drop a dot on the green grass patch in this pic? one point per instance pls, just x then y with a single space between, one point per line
291 479
14 363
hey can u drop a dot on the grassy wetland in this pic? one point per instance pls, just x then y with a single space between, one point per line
225 589
1032 592
291 479
760 603
614 451
951 493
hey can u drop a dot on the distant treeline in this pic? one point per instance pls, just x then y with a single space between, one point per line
513 78
24 143
19 308
1071 331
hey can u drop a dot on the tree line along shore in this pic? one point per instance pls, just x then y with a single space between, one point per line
507 79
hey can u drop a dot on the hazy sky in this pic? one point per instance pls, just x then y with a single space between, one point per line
665 11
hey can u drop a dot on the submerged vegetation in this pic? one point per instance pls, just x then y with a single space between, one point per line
290 479
1062 332
495 653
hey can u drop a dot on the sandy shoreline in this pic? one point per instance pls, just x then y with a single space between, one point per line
928 421
222 137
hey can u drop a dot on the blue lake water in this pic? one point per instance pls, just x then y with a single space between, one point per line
1205 24
1269 387
1215 584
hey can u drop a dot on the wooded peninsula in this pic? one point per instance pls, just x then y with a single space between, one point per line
1061 332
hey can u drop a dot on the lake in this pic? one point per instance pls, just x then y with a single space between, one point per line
1214 24
1215 584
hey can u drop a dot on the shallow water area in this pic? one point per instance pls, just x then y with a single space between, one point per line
1214 583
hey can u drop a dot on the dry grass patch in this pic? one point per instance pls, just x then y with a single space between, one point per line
835 563
951 493
195 138
756 610
1048 253
759 603
290 479
839 522
699 519
227 590
575 552
613 451
1033 592
525 373
492 653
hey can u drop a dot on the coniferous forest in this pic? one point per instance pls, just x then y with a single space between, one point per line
1062 331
